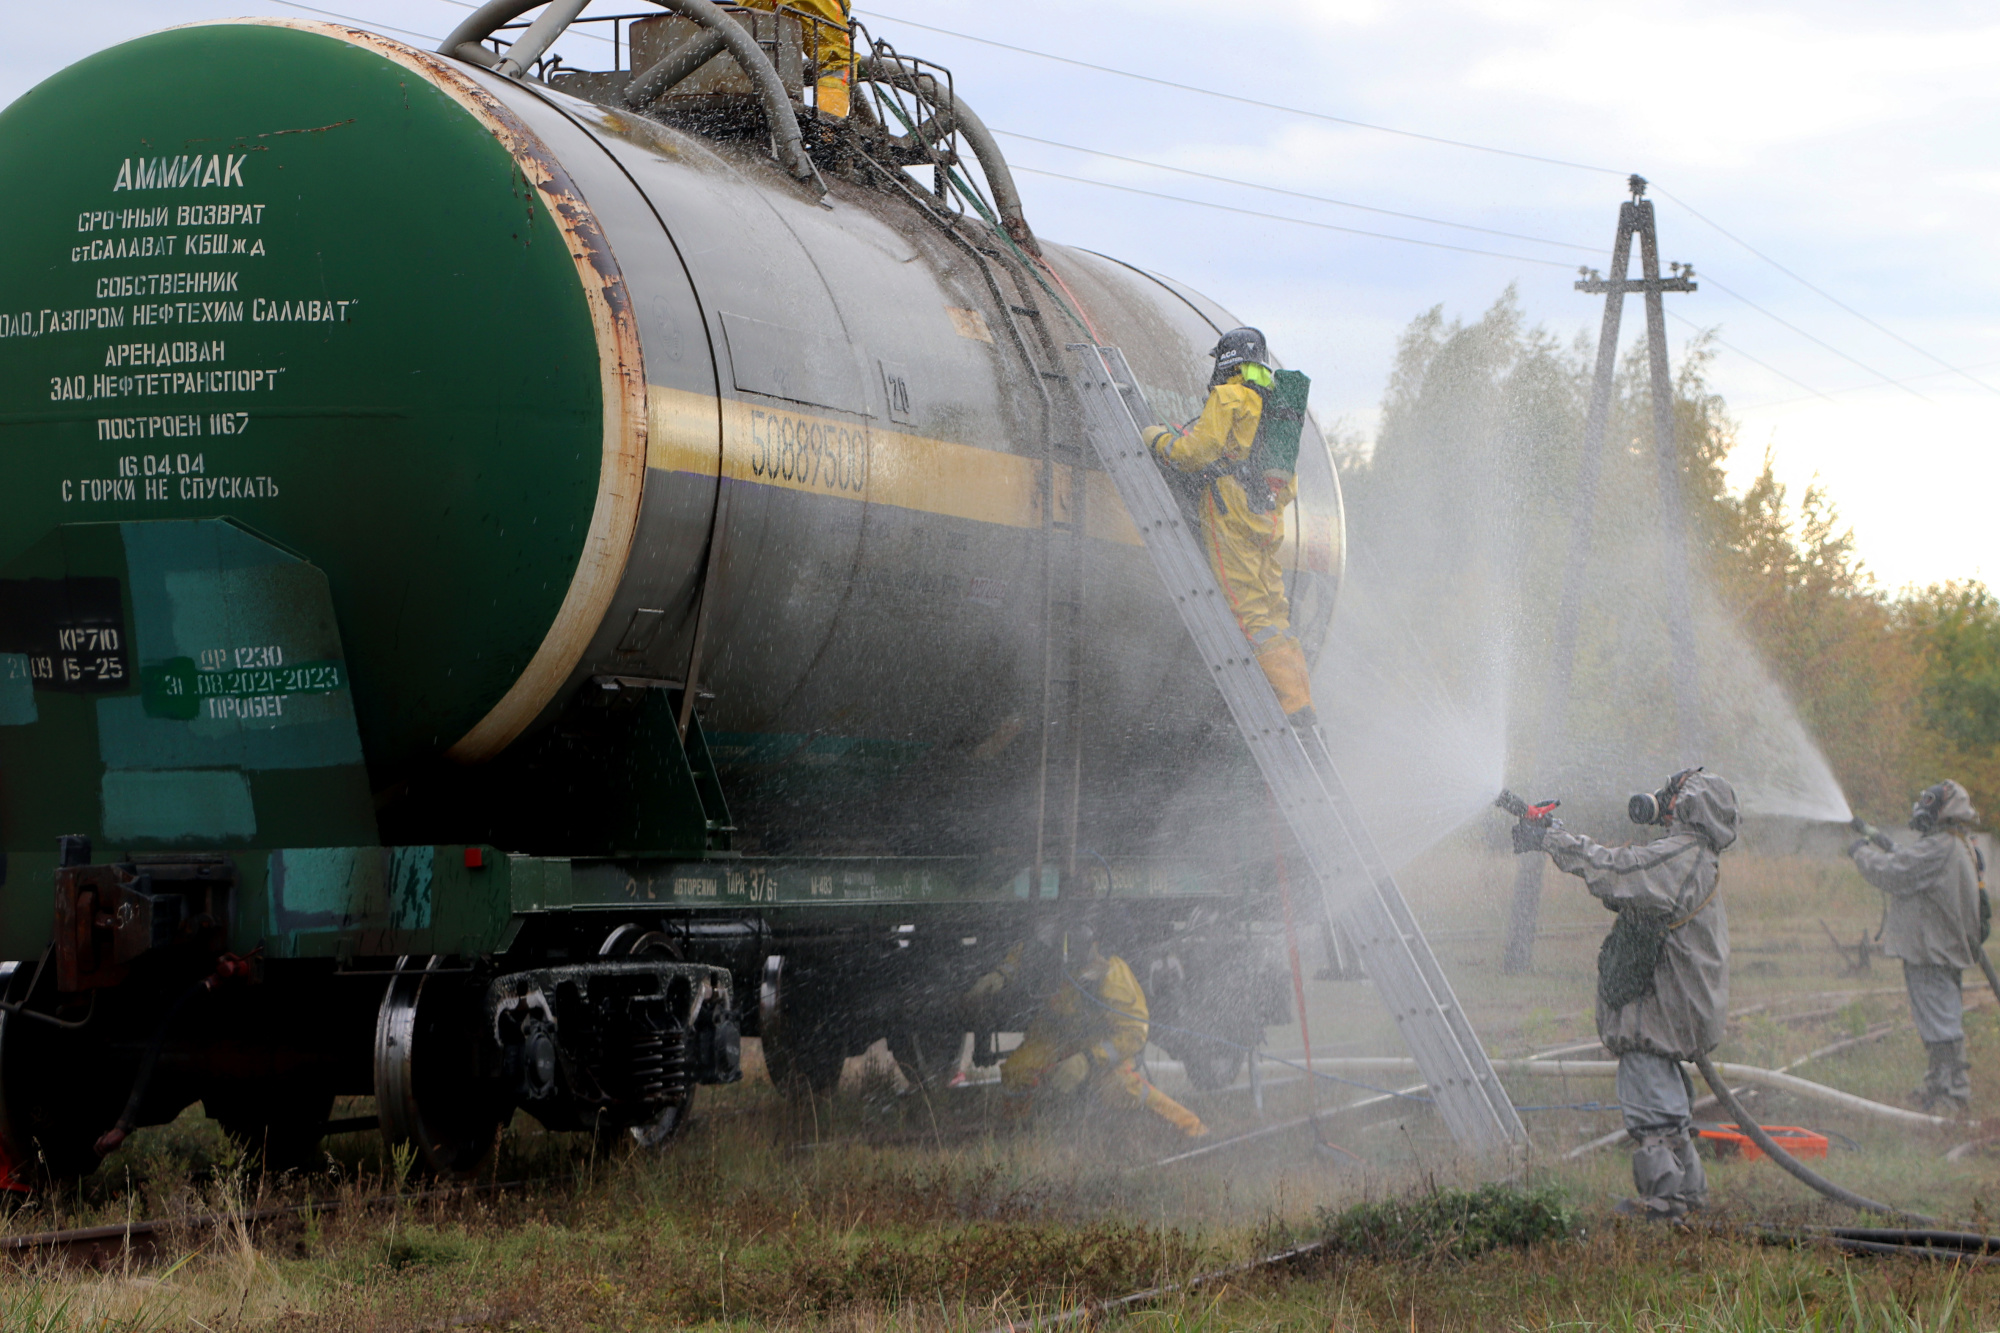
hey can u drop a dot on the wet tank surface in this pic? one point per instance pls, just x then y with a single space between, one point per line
514 369
504 594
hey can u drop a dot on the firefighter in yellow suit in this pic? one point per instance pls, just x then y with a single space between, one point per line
829 44
1088 1033
1243 515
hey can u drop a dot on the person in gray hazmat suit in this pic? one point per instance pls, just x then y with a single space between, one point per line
1662 973
1935 925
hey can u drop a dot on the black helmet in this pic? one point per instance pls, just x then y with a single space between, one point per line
1237 347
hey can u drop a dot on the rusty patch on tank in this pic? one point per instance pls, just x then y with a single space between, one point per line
621 477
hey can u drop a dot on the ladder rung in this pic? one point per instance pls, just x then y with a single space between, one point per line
1355 882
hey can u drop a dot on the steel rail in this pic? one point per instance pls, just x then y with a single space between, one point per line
1914 1243
115 1238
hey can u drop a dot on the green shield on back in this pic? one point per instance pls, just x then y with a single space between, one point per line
1284 419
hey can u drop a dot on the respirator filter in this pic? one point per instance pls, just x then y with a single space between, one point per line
1648 807
1657 807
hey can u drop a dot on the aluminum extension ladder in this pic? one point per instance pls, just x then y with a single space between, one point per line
1357 889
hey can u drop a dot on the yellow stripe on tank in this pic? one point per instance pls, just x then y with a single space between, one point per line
793 450
799 451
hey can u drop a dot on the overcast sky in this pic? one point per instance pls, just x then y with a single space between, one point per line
1839 139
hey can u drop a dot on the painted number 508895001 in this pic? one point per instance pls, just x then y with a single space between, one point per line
812 453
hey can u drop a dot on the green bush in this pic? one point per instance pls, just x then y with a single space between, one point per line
1451 1223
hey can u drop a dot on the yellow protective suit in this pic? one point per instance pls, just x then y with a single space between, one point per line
1243 546
830 45
1107 1035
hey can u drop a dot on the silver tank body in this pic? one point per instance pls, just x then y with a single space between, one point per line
838 416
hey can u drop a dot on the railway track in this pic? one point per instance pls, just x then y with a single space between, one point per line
1938 1246
142 1240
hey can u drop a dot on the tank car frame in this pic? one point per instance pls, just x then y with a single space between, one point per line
560 846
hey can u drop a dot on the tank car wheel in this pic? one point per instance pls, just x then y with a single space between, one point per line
41 1133
633 940
809 1069
929 1055
803 1058
428 1092
656 1133
636 941
1211 1066
48 1123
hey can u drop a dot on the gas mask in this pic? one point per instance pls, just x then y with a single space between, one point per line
1930 804
1058 951
1658 807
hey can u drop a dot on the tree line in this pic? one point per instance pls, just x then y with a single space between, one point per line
1467 502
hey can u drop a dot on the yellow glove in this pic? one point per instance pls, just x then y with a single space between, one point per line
1104 1053
987 986
1154 435
1068 1076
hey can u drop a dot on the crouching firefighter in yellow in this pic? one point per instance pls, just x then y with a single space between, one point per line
1246 472
1086 1037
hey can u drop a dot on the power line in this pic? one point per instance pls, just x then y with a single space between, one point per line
375 24
1710 280
1859 388
1439 245
1299 194
1475 147
1822 292
1198 203
574 30
1673 314
1280 217
370 24
1251 101
1327 226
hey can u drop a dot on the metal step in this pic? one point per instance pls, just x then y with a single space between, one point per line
1357 889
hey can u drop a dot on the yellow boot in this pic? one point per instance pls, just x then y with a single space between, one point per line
1284 663
1171 1111
1125 1083
832 96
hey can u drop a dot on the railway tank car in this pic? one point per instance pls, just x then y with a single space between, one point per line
512 578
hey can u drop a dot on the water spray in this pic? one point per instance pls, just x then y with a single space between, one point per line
1873 834
1657 808
1885 843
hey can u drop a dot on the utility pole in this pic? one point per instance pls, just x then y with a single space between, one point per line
1635 218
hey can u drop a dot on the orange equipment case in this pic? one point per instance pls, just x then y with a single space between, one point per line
1729 1139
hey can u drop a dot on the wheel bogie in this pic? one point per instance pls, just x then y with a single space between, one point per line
603 1029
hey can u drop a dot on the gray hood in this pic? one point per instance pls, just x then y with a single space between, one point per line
1707 805
1958 806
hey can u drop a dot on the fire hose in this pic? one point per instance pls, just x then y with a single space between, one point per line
1790 1164
1986 966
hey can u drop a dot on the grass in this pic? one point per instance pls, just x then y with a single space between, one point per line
884 1210
1451 1223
